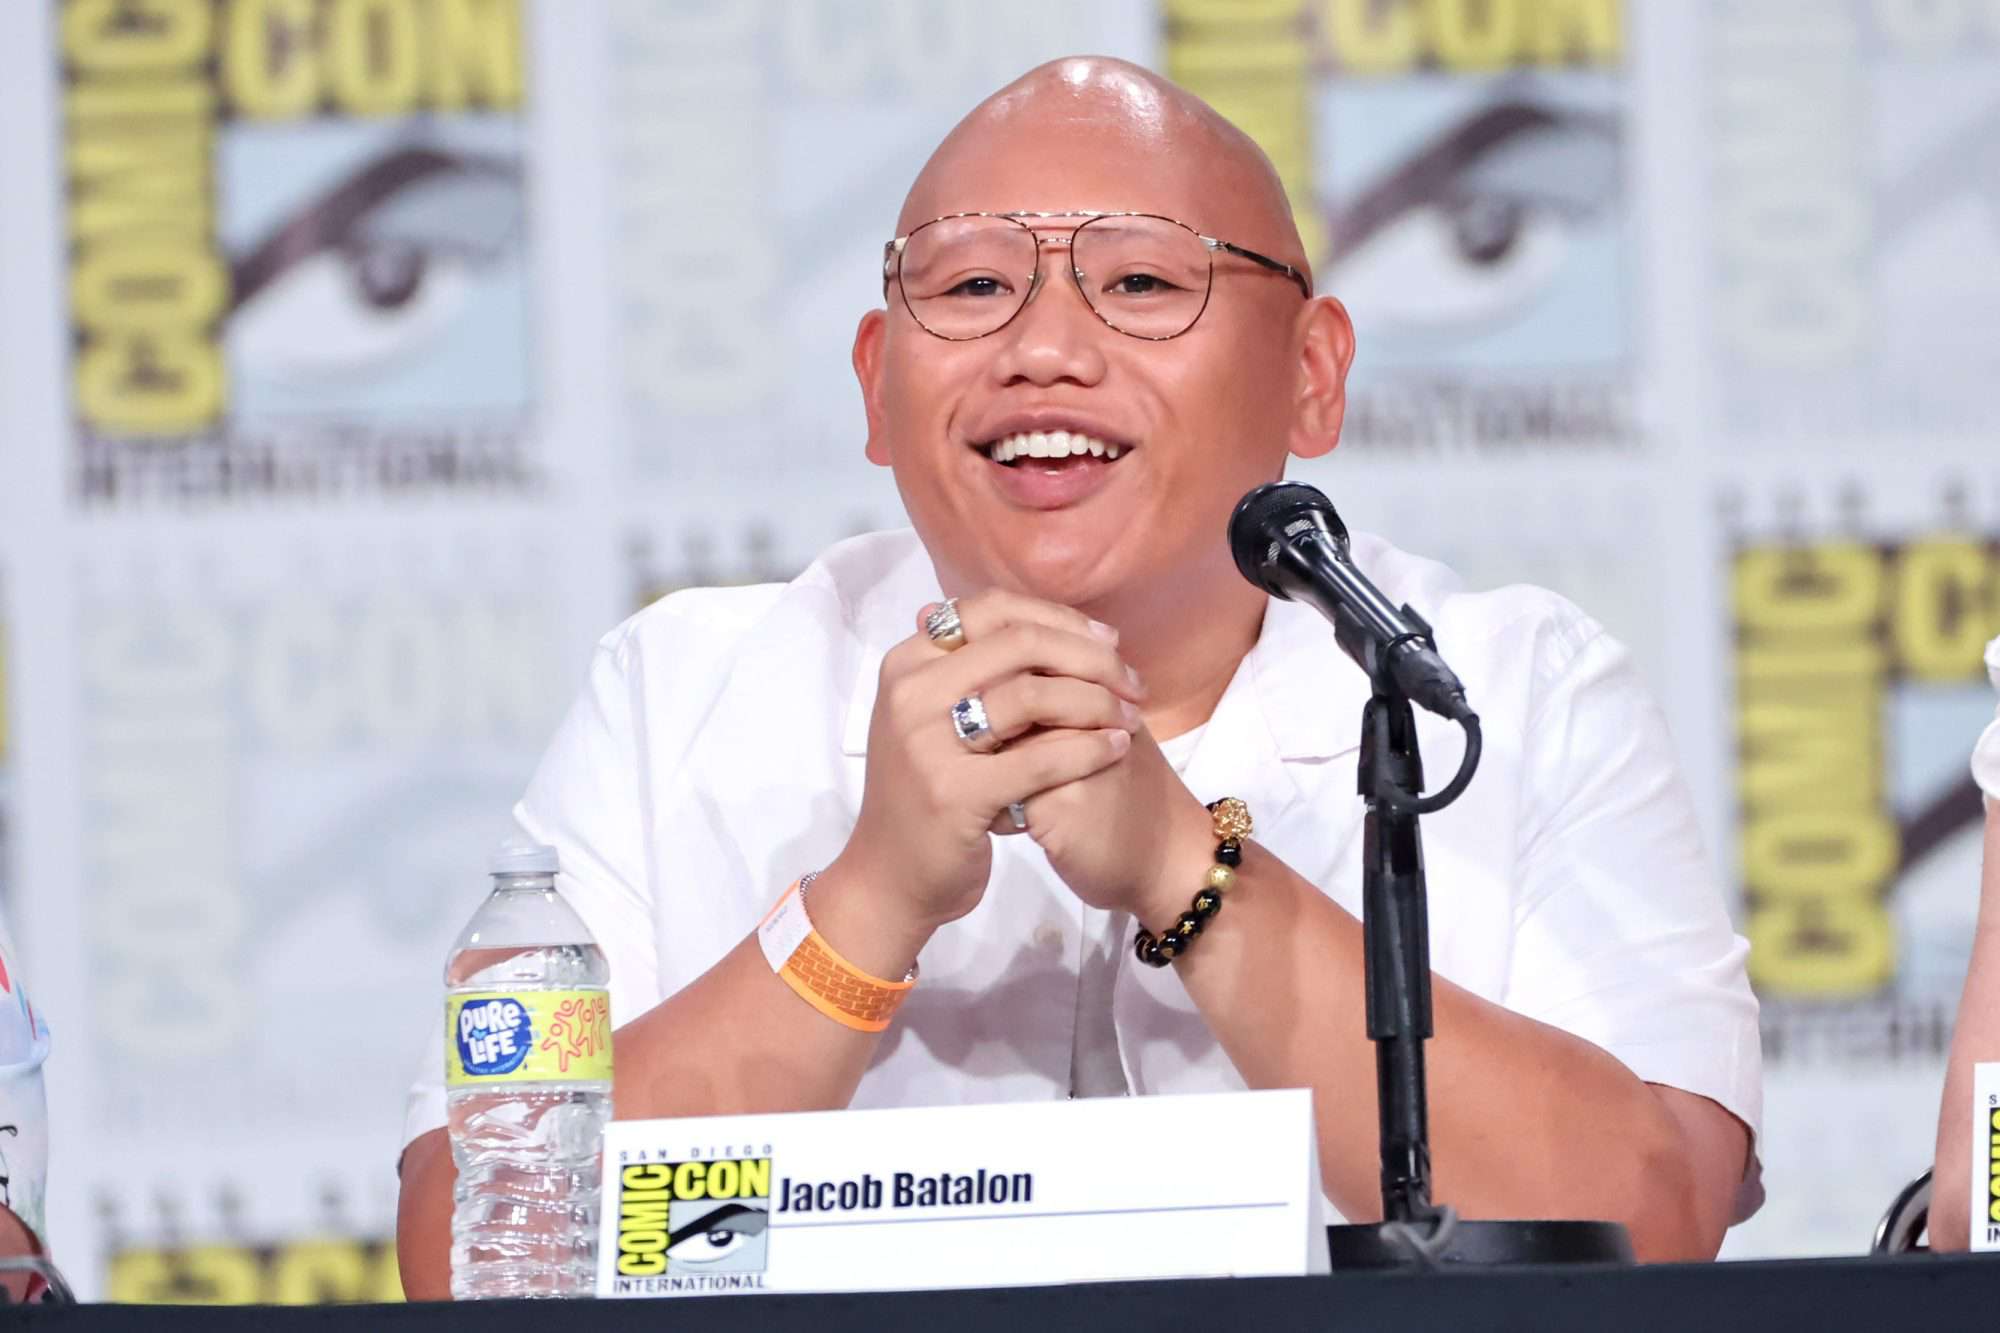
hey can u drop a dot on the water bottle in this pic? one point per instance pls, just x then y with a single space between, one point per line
527 1087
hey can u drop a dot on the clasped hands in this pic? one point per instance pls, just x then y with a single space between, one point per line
1068 742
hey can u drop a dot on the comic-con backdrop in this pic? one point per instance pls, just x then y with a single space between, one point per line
366 359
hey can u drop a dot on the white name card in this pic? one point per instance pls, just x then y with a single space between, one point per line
1985 1228
963 1196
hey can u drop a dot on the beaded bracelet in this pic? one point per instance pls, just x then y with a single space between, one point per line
1232 826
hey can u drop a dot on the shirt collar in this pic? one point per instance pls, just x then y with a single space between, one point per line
1309 694
882 614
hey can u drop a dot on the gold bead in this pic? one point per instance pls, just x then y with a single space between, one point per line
1221 878
1231 819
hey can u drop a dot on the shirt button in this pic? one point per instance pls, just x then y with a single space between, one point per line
1048 937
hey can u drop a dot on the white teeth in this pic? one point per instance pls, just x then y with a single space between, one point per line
1050 444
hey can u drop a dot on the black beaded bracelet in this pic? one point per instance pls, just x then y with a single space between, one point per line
1232 826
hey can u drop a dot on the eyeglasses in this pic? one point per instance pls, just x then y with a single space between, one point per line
965 275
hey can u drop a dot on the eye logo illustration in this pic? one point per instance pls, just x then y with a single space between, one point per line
717 1238
717 1233
369 269
1468 230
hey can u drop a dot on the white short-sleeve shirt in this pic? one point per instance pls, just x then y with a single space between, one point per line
1986 754
718 752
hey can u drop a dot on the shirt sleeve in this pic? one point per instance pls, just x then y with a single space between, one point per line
587 800
1620 931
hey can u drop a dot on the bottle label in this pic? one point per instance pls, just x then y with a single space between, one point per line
528 1036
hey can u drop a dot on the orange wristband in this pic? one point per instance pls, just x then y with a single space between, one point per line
816 971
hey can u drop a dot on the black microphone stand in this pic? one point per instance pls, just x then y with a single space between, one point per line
1395 926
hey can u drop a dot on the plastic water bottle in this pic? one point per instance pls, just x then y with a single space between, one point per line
527 1087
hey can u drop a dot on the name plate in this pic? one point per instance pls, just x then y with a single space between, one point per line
1223 1184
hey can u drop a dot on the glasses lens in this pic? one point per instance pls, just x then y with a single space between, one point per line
965 277
1144 276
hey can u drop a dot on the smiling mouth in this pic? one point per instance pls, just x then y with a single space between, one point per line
1050 448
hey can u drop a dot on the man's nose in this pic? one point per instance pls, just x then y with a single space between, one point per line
1056 336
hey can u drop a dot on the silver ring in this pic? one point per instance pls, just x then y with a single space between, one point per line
968 720
1018 812
943 625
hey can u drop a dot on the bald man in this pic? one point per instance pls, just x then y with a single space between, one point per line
1098 332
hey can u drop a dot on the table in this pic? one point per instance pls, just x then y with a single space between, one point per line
1904 1292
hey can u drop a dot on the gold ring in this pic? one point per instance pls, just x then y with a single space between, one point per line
944 627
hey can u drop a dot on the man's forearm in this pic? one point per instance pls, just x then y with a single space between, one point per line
737 1039
1525 1120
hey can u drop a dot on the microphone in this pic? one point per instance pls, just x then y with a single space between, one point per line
1288 541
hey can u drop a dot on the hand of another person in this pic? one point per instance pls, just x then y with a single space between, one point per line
1060 703
16 1241
1130 837
1986 755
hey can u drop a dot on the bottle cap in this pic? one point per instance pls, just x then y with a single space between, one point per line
519 856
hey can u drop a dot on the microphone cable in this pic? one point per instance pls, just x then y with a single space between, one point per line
1412 803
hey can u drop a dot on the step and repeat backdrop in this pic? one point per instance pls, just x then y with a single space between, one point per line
366 359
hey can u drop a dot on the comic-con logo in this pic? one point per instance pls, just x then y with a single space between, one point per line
1992 1156
693 1219
294 242
1457 175
1859 683
313 1270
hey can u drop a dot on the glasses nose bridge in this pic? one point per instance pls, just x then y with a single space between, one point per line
1065 241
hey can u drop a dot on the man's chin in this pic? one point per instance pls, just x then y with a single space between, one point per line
1067 557
1072 577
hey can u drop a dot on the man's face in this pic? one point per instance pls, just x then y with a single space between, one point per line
1197 420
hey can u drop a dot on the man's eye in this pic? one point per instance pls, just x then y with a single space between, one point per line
1140 284
978 287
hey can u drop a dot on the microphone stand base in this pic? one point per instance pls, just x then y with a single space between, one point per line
1483 1244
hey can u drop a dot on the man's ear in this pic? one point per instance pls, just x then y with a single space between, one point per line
868 337
1325 340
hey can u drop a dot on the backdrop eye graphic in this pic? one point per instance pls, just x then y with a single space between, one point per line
375 266
1472 227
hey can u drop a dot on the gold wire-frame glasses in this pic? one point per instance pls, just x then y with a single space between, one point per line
1143 301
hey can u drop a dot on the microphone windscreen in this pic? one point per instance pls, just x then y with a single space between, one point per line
1260 520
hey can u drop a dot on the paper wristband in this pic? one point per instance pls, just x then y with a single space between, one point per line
817 972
